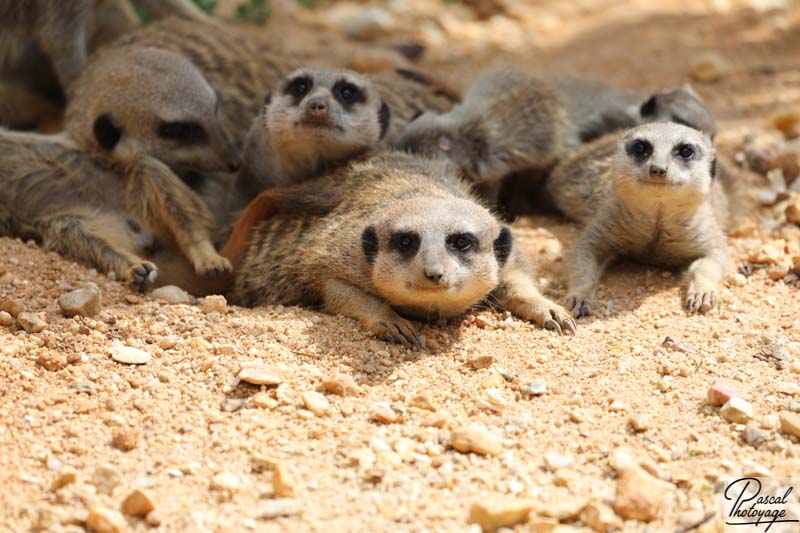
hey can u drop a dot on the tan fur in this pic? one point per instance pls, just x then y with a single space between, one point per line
672 220
344 260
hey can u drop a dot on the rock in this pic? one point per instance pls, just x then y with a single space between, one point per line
6 319
753 436
492 380
137 503
639 496
555 461
788 388
129 355
481 361
422 401
737 411
475 439
708 67
52 361
341 385
215 303
541 524
86 302
738 280
535 388
12 306
565 509
368 23
776 351
790 424
788 122
66 476
269 509
678 346
383 413
316 403
640 421
600 517
721 391
792 211
496 512
104 520
172 295
259 374
153 519
31 322
105 478
225 481
283 482
125 439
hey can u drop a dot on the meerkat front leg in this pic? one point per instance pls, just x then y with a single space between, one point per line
519 295
373 312
164 202
587 264
705 275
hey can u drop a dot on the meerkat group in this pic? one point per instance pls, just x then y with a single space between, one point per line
193 154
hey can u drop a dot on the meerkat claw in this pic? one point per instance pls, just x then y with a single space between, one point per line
143 276
578 308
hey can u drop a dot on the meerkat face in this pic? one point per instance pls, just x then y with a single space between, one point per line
151 102
336 112
434 257
683 106
665 162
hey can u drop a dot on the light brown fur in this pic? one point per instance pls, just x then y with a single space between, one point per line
347 260
659 208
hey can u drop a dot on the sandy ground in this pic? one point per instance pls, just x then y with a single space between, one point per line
203 446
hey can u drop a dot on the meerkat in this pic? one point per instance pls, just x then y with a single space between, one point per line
153 112
44 44
650 194
314 119
511 122
53 191
387 236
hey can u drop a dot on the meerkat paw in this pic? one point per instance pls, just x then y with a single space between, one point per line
142 276
207 262
548 315
578 306
396 331
700 299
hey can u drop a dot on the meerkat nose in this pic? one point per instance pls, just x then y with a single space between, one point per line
317 106
433 275
657 171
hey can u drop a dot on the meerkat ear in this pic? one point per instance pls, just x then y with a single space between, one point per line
384 116
369 244
714 167
649 107
502 245
105 132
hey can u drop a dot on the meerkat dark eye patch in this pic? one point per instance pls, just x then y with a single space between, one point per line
648 108
462 242
384 117
639 149
183 132
348 93
502 246
299 87
713 168
685 151
405 243
369 244
106 132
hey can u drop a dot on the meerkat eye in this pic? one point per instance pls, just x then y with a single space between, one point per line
640 149
462 242
347 93
406 243
685 151
183 132
299 87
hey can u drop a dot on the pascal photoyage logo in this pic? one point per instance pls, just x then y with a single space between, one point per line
761 504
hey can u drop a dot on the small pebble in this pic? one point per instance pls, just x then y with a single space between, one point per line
316 403
480 362
104 520
283 482
788 388
383 413
721 391
269 509
497 512
12 306
737 411
640 421
492 380
639 495
225 481
31 322
52 361
6 319
708 67
423 401
137 503
259 374
125 439
600 517
172 295
66 476
790 423
475 439
105 478
535 388
153 518
678 346
215 303
86 302
556 461
753 436
341 385
129 355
